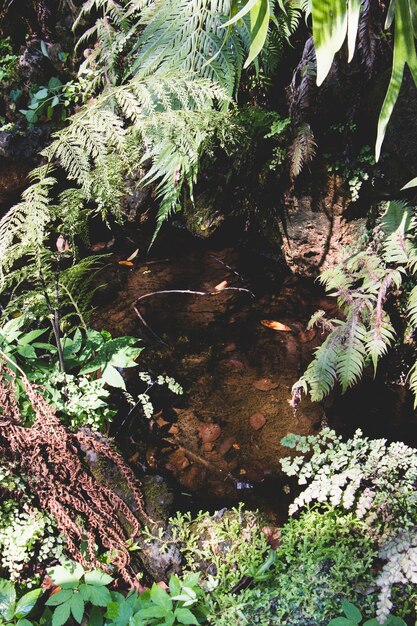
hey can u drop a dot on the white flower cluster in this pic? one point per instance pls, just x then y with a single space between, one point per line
400 568
377 481
25 533
145 399
366 475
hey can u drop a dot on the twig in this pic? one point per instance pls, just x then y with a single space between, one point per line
183 291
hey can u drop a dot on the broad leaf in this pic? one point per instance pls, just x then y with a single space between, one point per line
77 607
160 597
341 621
61 597
61 615
404 53
96 577
259 22
184 616
329 32
113 378
351 611
27 602
7 599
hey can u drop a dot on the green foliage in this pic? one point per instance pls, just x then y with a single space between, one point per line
28 537
13 610
8 61
79 593
374 480
179 604
362 284
78 393
353 617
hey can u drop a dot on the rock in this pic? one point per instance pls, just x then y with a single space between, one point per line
209 432
178 460
257 421
207 446
193 478
158 497
265 384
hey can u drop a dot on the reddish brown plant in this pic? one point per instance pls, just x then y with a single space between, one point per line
47 454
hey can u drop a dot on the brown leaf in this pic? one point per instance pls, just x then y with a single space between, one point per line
209 432
127 263
278 326
272 536
257 421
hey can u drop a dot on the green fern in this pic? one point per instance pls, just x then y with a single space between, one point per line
362 285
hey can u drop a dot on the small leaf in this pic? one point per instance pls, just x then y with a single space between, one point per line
77 607
61 615
96 577
62 596
184 616
44 49
99 596
351 611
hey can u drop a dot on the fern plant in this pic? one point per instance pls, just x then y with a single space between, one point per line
362 284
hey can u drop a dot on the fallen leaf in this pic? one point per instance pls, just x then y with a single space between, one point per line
272 536
127 263
221 285
257 421
209 432
242 472
278 326
101 245
133 255
235 363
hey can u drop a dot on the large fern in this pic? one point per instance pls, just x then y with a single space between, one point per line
362 284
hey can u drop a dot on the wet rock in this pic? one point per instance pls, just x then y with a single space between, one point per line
317 229
158 497
209 432
265 384
193 478
160 564
257 421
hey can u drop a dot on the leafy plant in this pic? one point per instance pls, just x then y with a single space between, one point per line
8 61
79 593
362 284
44 101
13 610
353 617
179 604
374 480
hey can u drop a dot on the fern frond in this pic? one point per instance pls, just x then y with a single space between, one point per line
412 382
24 225
302 150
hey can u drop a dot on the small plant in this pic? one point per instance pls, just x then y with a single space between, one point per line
15 611
353 617
44 101
8 61
179 604
79 593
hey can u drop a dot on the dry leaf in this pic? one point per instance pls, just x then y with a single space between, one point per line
133 255
278 326
221 285
127 263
